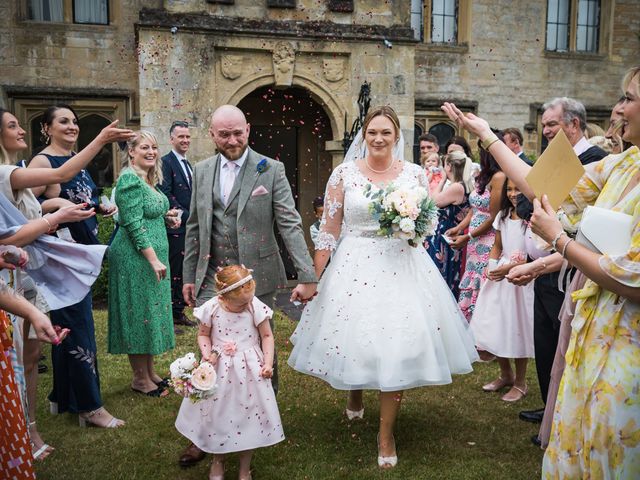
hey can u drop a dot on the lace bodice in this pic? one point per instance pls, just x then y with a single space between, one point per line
346 209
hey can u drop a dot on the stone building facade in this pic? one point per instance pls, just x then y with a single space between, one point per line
296 67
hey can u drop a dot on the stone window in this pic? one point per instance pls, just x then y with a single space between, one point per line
94 12
441 22
281 3
577 25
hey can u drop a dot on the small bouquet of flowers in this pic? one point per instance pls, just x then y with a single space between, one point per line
192 380
402 212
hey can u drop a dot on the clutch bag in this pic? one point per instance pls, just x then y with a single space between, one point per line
605 231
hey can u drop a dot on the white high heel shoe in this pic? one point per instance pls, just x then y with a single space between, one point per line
386 462
354 414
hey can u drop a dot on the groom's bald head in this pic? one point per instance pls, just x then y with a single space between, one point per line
230 131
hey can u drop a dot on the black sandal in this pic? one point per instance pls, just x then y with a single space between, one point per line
157 393
164 383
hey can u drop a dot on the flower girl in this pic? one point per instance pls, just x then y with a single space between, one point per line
243 414
502 322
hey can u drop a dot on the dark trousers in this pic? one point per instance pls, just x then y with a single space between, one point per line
176 257
76 382
546 326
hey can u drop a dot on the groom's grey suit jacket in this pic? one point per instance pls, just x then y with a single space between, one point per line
242 231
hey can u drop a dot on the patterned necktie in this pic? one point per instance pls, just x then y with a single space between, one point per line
229 180
188 170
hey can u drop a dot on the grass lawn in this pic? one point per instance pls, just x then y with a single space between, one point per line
447 432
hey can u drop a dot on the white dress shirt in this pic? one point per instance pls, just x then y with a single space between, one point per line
184 166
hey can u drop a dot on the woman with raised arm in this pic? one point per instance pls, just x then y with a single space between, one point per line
15 183
76 384
595 423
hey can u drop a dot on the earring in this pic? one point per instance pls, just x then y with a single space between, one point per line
45 135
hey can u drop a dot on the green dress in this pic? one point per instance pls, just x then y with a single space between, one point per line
140 318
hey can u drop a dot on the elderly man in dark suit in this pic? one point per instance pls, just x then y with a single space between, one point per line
176 185
570 116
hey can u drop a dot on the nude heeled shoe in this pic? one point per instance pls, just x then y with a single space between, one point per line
354 414
386 462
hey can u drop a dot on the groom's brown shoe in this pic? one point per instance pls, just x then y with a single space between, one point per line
191 456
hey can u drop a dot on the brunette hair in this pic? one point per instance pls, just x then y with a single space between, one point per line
384 111
515 134
49 115
488 166
457 140
318 202
154 176
4 155
229 275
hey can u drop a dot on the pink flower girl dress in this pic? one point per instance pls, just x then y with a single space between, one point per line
243 413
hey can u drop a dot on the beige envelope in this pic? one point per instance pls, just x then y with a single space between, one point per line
556 171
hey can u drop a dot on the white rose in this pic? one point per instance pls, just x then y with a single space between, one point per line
407 225
183 364
204 377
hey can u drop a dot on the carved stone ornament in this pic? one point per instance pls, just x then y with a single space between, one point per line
231 66
284 58
333 69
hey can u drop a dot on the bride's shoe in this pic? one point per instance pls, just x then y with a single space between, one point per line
354 414
386 462
216 477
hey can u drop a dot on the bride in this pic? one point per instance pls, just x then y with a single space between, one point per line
384 319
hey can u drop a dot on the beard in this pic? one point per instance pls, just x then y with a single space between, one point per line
232 153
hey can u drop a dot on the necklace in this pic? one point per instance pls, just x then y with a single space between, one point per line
366 162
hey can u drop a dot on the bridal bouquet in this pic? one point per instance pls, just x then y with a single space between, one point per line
191 380
403 212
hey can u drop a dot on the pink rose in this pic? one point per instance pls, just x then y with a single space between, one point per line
229 348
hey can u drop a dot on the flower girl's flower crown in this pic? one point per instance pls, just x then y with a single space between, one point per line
237 284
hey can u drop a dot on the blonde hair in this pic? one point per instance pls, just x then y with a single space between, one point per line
628 78
593 130
607 144
229 275
425 156
154 175
461 169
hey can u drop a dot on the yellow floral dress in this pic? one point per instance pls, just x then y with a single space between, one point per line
596 422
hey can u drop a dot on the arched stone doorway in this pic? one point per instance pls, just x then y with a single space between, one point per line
293 127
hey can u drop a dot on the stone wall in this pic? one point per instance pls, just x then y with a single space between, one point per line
187 73
58 57
505 67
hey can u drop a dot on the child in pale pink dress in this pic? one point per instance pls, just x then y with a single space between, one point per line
502 322
243 414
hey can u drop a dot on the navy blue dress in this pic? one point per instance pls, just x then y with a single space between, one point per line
76 382
447 259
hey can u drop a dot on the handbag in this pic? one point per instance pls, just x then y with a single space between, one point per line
605 231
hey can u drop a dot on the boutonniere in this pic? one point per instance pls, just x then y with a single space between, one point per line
262 166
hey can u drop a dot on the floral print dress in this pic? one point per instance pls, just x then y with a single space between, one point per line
447 259
477 253
596 422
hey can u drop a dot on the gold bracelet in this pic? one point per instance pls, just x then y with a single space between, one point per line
48 223
487 142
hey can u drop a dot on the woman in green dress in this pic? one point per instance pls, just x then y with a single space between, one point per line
140 320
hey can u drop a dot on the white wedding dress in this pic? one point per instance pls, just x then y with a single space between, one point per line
384 318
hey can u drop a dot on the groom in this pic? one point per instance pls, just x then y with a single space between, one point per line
237 196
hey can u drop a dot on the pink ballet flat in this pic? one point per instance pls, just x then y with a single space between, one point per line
498 384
